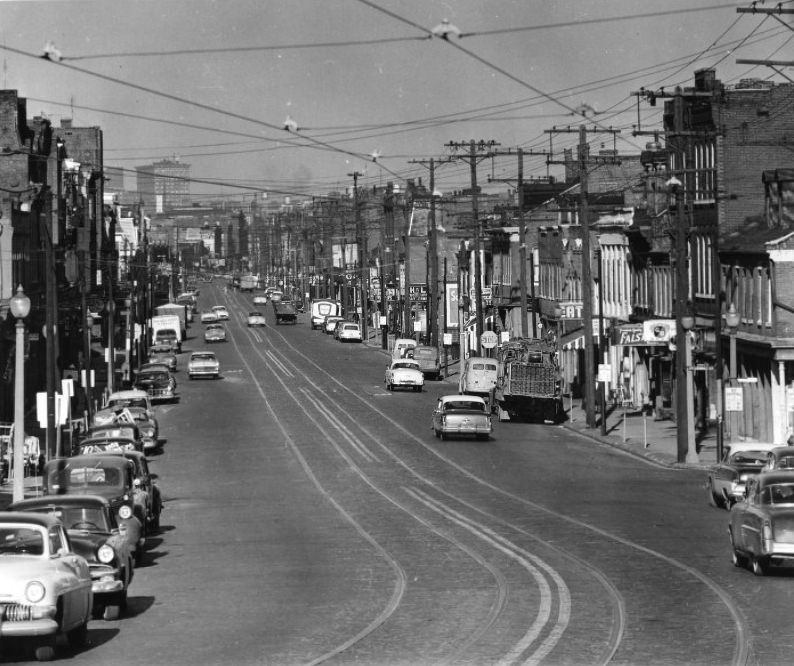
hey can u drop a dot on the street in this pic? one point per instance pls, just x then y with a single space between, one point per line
311 517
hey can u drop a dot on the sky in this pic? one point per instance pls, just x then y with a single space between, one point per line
212 82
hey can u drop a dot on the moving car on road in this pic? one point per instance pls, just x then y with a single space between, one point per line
209 317
221 312
203 364
761 523
95 535
461 415
726 482
478 377
260 299
429 362
45 586
256 318
404 373
163 354
215 333
348 332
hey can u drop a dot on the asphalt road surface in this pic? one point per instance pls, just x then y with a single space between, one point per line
311 517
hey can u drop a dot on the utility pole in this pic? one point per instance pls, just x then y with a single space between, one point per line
477 151
432 250
585 163
363 269
522 239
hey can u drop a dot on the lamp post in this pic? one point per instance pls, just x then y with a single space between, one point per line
687 410
89 323
20 308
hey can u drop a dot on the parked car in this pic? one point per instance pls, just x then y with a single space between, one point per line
256 318
94 534
148 427
348 332
120 400
726 482
209 317
45 586
429 361
260 299
478 377
761 523
461 415
163 354
108 445
221 312
215 333
781 457
403 348
108 476
162 367
129 431
404 373
146 491
159 384
203 364
329 326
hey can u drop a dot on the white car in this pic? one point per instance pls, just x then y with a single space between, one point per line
203 364
209 317
404 373
221 312
260 299
256 318
348 332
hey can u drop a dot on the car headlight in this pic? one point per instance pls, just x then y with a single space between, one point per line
106 554
35 591
125 512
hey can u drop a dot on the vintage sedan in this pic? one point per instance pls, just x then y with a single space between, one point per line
148 427
215 333
260 299
120 400
329 326
762 524
203 364
209 317
221 311
461 415
163 354
726 481
348 332
94 534
45 586
781 457
126 431
404 373
160 385
256 318
107 475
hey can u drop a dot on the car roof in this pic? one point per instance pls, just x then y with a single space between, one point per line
408 361
40 519
61 500
128 395
781 451
456 397
777 476
87 460
255 313
202 352
736 447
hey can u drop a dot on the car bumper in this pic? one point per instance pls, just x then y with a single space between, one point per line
466 430
107 581
42 625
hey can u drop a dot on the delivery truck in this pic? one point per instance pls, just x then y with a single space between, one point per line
167 329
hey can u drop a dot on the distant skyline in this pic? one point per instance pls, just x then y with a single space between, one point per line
213 82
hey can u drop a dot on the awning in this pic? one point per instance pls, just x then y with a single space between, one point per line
576 343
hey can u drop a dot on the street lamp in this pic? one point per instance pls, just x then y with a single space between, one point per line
687 410
732 321
89 323
20 308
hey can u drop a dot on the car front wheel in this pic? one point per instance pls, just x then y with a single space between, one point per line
759 565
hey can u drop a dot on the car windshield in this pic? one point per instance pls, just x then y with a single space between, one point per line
214 327
778 493
87 518
351 327
465 404
203 357
254 314
149 375
21 540
409 366
69 478
119 403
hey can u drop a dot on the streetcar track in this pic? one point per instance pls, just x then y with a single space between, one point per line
741 651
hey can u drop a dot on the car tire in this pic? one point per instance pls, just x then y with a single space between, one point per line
45 650
111 613
739 560
713 500
758 565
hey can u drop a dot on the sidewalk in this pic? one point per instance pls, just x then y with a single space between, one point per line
32 489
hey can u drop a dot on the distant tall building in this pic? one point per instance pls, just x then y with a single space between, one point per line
164 185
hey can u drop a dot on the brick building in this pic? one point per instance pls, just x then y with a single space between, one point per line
164 185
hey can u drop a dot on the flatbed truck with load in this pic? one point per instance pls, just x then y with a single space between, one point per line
528 382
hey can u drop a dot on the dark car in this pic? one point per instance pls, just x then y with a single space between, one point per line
109 476
95 535
159 384
726 482
163 354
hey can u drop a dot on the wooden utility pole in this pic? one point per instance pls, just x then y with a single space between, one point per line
585 163
477 151
432 251
363 269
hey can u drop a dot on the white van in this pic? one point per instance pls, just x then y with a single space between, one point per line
322 308
403 348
